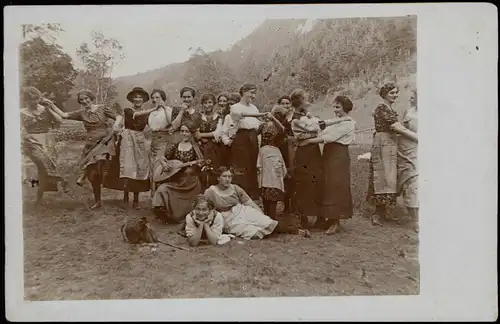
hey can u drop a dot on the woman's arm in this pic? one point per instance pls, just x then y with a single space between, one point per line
144 112
176 123
214 231
193 230
400 129
333 121
226 139
194 239
276 122
54 114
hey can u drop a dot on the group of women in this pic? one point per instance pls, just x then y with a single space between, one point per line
227 151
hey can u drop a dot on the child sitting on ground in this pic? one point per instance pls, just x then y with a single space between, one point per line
204 223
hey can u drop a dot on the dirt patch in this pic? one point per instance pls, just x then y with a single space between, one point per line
72 253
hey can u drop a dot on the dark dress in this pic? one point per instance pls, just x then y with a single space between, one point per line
336 198
174 197
212 150
135 143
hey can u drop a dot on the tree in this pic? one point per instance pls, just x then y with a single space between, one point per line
46 67
99 60
47 32
208 74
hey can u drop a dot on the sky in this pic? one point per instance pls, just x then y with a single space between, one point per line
155 45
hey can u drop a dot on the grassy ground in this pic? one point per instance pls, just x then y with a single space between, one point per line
71 252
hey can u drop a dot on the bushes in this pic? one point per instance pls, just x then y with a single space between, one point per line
70 131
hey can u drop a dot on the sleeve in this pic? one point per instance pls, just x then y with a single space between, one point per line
337 131
242 195
108 112
169 114
175 112
261 127
218 225
218 130
386 114
225 137
190 225
75 115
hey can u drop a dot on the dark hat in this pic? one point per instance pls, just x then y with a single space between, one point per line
140 91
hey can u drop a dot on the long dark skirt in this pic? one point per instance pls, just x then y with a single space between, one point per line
307 177
244 153
336 198
214 152
112 180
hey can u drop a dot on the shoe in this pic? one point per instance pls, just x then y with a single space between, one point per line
334 228
375 219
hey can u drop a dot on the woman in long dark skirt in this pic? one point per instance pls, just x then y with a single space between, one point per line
335 185
240 133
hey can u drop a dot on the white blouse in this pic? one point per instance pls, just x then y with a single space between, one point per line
160 119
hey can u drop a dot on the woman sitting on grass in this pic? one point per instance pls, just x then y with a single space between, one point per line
204 224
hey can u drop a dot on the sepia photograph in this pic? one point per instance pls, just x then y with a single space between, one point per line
249 156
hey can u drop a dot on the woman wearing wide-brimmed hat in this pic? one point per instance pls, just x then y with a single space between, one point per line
130 169
100 144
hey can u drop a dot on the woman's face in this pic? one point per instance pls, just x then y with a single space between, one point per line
85 100
187 98
138 100
338 109
250 95
297 101
202 210
222 101
285 103
413 99
156 99
225 178
208 106
392 95
185 133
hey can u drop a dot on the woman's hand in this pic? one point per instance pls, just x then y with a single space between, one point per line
117 128
304 142
197 135
166 167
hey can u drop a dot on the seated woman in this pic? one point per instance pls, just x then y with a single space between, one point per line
174 196
242 217
204 223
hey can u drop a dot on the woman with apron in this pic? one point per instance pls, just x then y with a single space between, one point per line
383 182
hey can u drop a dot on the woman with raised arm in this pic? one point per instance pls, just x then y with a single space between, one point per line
100 144
186 113
209 137
308 166
270 163
173 199
383 182
286 148
159 120
335 184
240 133
407 162
38 117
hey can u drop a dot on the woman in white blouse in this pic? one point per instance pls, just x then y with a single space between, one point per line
161 124
240 133
335 201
